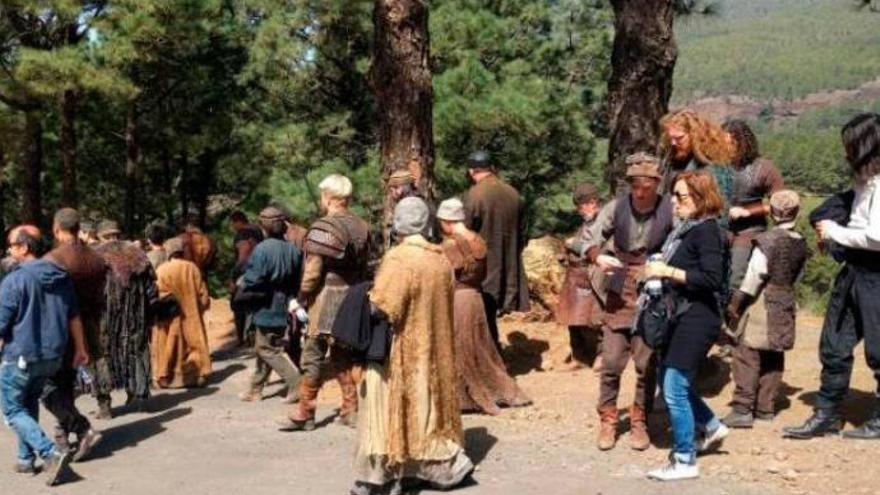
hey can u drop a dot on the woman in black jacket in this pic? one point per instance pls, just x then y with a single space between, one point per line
693 267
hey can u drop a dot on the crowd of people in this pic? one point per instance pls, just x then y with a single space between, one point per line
698 251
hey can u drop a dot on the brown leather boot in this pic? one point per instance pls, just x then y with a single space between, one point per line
638 433
607 437
303 415
348 409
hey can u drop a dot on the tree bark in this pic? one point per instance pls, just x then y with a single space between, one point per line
32 204
401 81
642 65
67 138
132 168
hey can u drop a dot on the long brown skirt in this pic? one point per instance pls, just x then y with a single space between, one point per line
483 382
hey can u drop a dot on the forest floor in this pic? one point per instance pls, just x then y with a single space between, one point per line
206 441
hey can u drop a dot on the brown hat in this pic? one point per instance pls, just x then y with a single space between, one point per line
643 164
785 206
108 227
584 193
400 177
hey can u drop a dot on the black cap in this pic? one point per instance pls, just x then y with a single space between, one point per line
479 159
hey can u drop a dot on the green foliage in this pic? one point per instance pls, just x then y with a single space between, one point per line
776 49
524 80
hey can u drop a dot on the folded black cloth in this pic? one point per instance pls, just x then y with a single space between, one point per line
357 327
836 208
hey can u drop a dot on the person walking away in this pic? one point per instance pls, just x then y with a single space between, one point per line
38 314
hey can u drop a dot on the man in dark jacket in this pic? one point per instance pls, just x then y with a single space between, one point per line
494 210
88 272
38 313
271 278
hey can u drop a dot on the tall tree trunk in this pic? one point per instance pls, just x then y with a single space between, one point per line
67 138
401 81
132 168
32 204
642 64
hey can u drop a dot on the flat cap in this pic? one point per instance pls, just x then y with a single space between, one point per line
451 210
643 164
273 213
108 227
584 193
400 177
479 159
785 205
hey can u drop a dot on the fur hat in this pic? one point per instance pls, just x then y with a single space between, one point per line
451 210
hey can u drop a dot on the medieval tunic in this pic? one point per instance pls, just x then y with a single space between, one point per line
751 184
578 306
409 422
635 236
129 294
483 382
495 210
769 324
181 344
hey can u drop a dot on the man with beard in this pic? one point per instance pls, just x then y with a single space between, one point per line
578 308
337 248
129 293
88 271
638 224
692 142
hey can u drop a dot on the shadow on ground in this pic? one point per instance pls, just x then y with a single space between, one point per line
131 434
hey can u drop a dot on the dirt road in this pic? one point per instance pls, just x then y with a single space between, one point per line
206 441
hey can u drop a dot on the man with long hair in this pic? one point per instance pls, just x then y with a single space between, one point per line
691 142
853 313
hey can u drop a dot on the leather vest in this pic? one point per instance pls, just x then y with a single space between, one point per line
786 256
660 225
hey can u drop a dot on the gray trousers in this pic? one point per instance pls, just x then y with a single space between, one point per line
269 346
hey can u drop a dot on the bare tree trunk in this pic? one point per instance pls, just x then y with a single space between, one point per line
132 168
32 204
642 64
67 138
401 81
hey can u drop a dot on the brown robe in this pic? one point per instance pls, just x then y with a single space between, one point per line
198 248
483 382
409 422
494 209
180 345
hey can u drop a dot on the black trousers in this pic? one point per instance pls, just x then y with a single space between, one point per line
59 395
853 315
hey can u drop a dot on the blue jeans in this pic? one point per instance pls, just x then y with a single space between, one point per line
20 391
686 411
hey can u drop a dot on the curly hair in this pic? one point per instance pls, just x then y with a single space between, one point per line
707 138
746 144
861 140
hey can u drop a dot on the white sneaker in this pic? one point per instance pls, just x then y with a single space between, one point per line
713 440
675 471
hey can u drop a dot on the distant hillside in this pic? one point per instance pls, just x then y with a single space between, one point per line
779 49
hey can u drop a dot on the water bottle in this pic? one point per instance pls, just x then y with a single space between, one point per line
84 376
654 286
